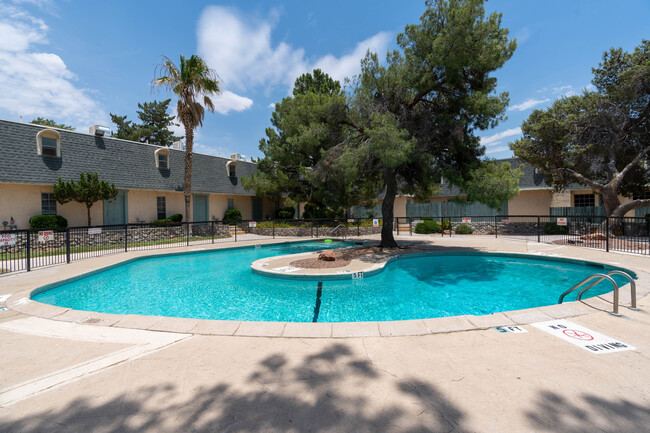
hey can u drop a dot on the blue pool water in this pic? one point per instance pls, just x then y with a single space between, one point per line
220 285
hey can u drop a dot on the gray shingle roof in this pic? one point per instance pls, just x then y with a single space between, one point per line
127 164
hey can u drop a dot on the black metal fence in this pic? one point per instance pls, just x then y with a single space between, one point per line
624 234
23 250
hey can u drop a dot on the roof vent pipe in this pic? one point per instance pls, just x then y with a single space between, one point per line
98 130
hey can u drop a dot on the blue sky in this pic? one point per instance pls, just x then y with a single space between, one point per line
78 61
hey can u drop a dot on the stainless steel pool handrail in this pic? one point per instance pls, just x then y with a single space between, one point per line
334 229
589 278
610 273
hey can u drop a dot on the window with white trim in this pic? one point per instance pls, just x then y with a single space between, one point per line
48 143
48 203
162 158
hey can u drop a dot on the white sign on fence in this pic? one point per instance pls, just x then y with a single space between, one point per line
505 221
375 223
45 236
350 220
561 221
95 231
467 219
7 240
583 337
252 224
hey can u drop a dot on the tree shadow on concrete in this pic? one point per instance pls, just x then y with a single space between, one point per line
590 413
330 390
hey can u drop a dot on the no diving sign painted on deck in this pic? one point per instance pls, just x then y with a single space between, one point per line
583 337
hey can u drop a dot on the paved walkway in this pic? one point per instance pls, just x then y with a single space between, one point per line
69 377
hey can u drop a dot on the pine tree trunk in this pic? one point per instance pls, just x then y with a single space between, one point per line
189 143
387 212
88 212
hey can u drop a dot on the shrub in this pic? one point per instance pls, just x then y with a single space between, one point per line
38 222
427 227
232 216
554 229
463 229
162 222
176 218
446 225
286 213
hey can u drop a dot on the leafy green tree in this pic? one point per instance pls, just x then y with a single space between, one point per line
413 120
190 80
154 128
601 138
88 191
49 122
303 126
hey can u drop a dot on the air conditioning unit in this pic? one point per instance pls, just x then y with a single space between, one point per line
99 130
238 157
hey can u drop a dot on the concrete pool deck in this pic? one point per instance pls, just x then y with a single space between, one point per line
64 375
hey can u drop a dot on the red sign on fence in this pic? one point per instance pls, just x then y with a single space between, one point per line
45 236
467 219
561 221
6 240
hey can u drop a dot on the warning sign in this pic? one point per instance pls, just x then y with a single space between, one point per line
505 221
583 337
375 223
252 224
95 231
561 221
515 329
45 236
467 219
7 240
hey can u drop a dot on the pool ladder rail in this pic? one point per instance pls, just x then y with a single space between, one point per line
600 277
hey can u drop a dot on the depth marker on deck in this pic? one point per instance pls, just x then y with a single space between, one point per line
319 293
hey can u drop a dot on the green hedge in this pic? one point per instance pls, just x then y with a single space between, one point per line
286 213
38 222
463 229
232 216
176 218
554 229
427 227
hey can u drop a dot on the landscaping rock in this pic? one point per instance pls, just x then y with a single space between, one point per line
327 255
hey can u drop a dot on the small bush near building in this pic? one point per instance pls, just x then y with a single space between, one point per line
427 227
38 222
162 222
463 229
554 229
176 218
232 216
286 213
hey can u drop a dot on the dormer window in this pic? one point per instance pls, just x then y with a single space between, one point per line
162 158
48 143
231 166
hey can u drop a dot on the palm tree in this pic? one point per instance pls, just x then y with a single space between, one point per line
189 81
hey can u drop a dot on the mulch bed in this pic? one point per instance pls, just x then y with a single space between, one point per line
343 258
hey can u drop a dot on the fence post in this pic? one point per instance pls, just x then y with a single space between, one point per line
29 251
397 225
126 237
187 233
496 227
67 245
539 228
311 228
212 229
607 234
316 229
442 226
273 229
410 226
358 228
236 229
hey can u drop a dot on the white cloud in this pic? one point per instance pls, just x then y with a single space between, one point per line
528 104
497 149
271 106
228 101
241 50
491 141
35 83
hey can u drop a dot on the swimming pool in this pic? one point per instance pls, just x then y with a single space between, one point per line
220 285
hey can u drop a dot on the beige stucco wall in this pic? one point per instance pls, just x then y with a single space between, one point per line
23 201
537 202
399 208
143 204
